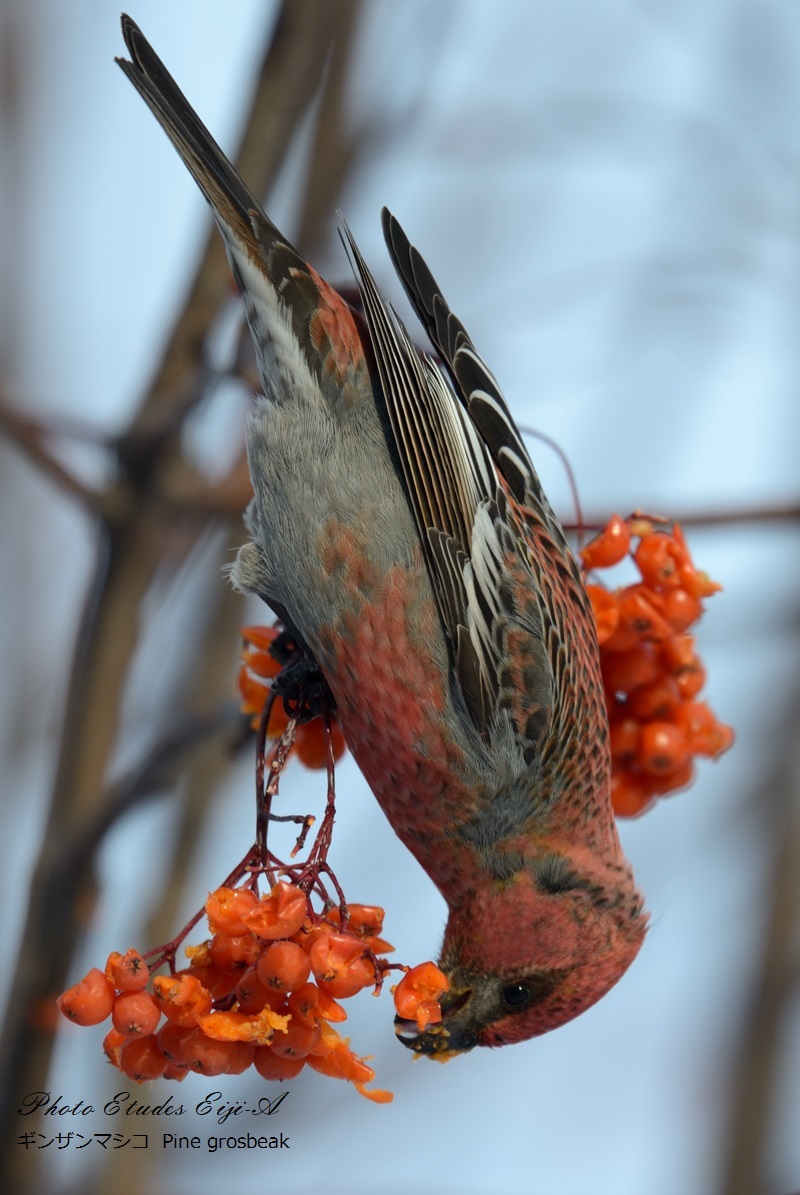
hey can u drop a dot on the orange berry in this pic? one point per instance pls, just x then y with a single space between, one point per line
280 914
329 1040
310 1004
332 953
365 921
309 744
273 1066
348 983
630 794
297 1040
136 1014
170 1039
205 1055
609 546
657 699
283 966
662 748
241 1055
699 584
307 936
175 1072
681 609
252 995
127 972
624 671
605 609
261 663
378 945
182 998
260 637
88 1002
339 966
677 652
342 1063
622 639
141 1059
682 662
218 983
417 995
233 955
638 613
680 777
691 678
253 692
658 557
226 907
705 735
377 1096
112 1044
624 735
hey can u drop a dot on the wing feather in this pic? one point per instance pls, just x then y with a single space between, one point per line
450 468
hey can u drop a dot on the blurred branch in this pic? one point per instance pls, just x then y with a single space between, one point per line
335 150
30 436
715 518
184 491
764 1040
157 772
287 83
130 552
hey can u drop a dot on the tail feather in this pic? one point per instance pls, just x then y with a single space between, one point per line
222 186
306 337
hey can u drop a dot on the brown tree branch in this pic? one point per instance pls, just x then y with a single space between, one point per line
30 436
129 556
766 1030
715 518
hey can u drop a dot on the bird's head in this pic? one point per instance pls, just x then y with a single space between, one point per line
532 952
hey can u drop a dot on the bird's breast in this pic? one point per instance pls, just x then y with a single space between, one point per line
385 658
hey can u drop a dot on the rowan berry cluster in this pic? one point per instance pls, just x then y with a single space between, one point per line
652 673
262 991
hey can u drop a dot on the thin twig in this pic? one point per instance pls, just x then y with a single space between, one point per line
713 518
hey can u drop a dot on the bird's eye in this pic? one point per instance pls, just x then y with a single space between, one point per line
516 996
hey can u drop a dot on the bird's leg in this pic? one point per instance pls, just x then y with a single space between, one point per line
301 685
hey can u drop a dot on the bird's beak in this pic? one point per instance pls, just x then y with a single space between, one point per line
452 1035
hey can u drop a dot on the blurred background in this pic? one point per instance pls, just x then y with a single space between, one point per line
609 194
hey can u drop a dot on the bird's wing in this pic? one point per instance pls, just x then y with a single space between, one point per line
479 566
473 380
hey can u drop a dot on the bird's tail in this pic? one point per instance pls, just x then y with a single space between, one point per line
222 186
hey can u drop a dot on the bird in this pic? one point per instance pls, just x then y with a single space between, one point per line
400 531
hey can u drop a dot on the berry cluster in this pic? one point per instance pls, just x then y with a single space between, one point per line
263 991
267 652
651 671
